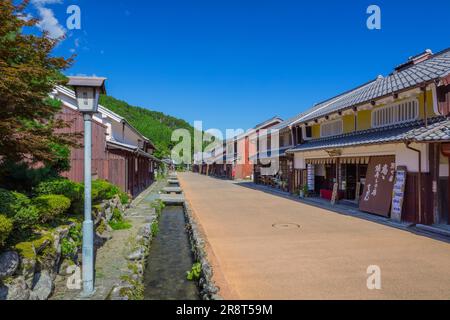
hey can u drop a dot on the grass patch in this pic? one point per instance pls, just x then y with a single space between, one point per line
155 228
194 274
120 225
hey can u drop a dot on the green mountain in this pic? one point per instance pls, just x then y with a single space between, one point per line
155 125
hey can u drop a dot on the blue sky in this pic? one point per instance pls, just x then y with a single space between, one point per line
234 64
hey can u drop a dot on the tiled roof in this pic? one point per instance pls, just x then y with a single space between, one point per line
436 67
263 124
287 123
437 130
271 153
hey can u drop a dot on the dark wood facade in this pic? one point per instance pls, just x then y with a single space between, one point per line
131 171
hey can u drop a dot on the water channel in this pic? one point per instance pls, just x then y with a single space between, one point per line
169 260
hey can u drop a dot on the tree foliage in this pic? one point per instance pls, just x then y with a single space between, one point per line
155 125
28 73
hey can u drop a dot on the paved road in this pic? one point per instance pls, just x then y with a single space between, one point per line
326 258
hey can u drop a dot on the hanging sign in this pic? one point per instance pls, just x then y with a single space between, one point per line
358 192
311 177
377 196
398 195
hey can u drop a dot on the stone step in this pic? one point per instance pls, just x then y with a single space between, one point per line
169 190
172 198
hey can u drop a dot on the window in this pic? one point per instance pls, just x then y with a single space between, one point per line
332 128
396 113
308 133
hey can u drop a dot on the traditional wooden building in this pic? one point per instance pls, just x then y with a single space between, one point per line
383 146
270 153
120 153
245 148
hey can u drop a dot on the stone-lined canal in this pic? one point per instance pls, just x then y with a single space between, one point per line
169 259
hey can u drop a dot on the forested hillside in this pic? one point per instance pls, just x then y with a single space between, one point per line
155 125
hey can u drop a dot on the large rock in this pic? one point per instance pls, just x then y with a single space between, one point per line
16 290
27 270
108 214
59 235
43 287
146 231
138 254
9 263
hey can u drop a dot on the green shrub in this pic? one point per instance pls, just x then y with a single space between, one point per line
72 244
18 208
51 206
64 187
117 215
26 218
68 248
11 202
6 227
103 190
124 198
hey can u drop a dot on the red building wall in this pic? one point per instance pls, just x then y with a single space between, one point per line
115 166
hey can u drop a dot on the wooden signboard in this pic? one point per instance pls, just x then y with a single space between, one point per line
398 195
335 194
377 196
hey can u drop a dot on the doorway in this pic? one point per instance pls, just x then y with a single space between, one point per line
351 181
353 176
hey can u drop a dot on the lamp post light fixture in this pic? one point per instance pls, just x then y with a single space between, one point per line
87 91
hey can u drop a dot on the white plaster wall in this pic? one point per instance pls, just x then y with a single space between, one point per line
299 161
443 170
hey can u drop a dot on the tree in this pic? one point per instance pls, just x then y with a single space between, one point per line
28 73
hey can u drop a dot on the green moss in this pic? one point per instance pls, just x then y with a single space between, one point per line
45 238
101 228
133 268
26 250
136 293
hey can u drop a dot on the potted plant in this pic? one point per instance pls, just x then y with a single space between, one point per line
304 191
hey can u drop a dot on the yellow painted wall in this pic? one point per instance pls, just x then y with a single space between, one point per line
430 109
364 120
364 117
316 131
348 123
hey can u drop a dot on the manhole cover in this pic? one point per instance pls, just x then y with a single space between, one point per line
286 226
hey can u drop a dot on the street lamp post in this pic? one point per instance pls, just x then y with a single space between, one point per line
87 91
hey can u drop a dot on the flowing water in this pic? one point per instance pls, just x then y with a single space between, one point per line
170 258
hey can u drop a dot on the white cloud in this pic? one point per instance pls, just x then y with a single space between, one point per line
48 21
41 3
